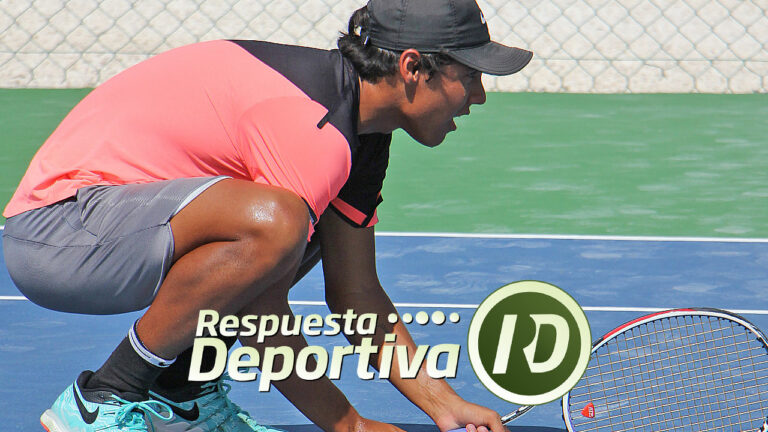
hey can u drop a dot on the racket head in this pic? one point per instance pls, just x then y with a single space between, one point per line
674 370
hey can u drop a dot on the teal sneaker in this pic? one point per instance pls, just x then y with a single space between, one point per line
73 413
210 411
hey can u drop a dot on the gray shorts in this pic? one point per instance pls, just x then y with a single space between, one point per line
104 251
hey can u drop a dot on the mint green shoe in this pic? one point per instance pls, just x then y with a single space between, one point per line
73 413
210 411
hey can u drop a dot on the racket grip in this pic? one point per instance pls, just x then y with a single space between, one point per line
458 430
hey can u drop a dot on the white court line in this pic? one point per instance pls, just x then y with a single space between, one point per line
534 237
586 308
572 237
474 306
564 237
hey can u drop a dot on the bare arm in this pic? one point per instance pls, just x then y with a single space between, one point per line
351 282
320 400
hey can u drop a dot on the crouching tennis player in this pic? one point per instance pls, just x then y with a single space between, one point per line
195 180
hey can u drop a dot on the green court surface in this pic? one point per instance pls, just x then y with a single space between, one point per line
526 163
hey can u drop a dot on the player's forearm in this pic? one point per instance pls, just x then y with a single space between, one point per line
320 400
433 396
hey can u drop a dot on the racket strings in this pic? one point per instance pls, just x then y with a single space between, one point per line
739 407
642 335
679 419
631 378
748 344
742 414
723 405
587 382
663 397
643 399
602 383
695 417
691 366
679 415
702 361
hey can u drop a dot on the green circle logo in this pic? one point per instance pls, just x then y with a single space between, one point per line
529 342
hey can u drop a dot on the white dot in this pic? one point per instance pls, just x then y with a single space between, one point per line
438 318
454 317
407 318
392 318
422 318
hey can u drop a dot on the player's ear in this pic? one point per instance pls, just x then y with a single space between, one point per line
409 66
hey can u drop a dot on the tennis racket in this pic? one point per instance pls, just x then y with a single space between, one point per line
682 369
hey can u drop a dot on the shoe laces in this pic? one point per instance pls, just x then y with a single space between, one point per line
233 411
252 424
130 415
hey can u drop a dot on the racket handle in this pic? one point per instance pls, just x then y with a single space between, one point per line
517 413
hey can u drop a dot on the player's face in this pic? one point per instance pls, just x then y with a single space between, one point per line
437 102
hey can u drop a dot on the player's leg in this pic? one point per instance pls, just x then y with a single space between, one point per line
102 251
199 404
231 243
173 383
206 406
123 243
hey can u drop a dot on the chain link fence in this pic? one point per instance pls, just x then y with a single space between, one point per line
585 46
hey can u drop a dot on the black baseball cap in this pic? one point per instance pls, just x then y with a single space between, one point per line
456 28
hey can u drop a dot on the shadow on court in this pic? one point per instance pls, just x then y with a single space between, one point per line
422 428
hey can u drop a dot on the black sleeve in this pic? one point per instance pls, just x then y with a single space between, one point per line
361 194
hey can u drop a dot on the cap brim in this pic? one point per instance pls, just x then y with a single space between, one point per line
493 58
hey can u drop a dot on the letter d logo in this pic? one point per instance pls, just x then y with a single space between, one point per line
529 342
505 343
561 343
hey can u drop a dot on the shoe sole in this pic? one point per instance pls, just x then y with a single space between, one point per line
50 422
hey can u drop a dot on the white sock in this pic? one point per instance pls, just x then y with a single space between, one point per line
144 353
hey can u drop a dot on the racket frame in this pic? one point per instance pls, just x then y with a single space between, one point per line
718 313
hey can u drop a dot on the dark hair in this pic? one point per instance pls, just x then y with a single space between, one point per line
373 63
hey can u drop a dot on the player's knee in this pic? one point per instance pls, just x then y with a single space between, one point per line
258 226
279 225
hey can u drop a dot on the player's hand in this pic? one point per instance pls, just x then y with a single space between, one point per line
474 418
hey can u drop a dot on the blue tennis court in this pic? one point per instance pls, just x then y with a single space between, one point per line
634 118
614 279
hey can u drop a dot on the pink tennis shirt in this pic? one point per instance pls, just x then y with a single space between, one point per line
273 114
